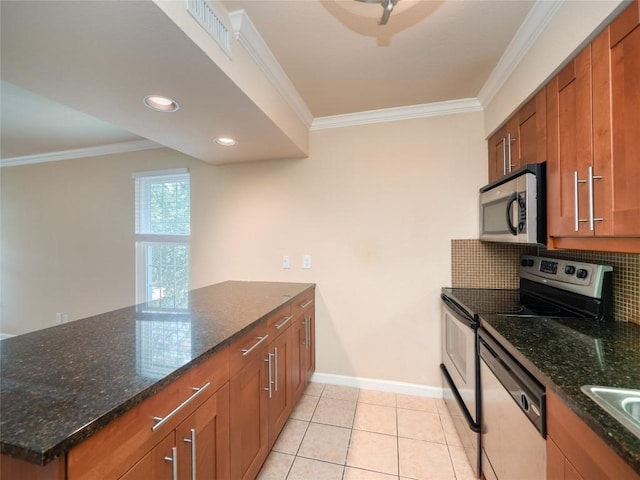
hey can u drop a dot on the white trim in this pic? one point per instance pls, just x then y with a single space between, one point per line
381 385
534 23
254 44
450 107
121 147
160 173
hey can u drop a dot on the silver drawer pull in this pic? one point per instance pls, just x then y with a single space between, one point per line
283 323
192 441
162 420
306 304
247 351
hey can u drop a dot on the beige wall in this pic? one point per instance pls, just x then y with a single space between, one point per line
376 206
571 27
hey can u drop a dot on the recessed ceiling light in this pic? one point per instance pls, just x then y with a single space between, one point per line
226 141
160 103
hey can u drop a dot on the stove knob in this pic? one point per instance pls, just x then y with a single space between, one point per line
582 273
569 269
529 262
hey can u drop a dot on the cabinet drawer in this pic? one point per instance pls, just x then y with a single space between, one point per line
118 446
279 322
302 303
247 347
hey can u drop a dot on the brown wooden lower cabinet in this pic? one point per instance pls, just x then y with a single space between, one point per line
224 432
574 451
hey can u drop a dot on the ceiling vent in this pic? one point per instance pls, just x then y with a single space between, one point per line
212 18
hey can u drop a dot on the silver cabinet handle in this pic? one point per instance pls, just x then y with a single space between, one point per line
306 304
304 342
162 420
308 332
283 323
576 212
192 441
592 218
510 140
247 351
504 156
174 462
275 353
270 379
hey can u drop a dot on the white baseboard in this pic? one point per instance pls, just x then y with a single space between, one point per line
381 385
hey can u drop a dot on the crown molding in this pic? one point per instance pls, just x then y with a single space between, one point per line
534 23
249 37
121 147
450 107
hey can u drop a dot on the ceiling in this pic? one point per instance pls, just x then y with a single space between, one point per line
74 72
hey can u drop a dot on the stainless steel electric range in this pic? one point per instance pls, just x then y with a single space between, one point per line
549 288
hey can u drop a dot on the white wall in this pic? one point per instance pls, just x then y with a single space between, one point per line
376 206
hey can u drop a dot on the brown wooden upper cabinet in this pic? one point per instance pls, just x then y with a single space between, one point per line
521 140
593 130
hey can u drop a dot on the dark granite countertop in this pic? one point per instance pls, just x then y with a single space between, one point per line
566 354
62 384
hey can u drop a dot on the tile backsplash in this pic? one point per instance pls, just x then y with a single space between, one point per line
476 264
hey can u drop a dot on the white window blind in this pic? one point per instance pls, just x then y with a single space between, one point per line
162 233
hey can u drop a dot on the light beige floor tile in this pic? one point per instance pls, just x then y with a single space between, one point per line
450 432
375 418
307 469
291 436
424 460
276 467
340 392
351 473
332 411
442 407
461 463
305 408
414 402
373 451
314 389
326 443
419 425
375 397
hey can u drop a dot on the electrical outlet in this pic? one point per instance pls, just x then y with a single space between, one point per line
58 318
65 317
286 261
306 261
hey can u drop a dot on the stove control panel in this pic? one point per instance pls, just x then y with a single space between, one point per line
579 277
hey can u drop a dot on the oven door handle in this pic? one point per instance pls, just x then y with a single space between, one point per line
475 427
460 313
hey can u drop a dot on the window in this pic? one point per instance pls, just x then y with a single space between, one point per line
163 228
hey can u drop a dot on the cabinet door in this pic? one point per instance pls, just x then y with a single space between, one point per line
625 121
569 146
497 155
249 417
531 146
309 352
296 372
203 440
281 401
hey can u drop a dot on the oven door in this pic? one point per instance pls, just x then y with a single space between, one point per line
460 377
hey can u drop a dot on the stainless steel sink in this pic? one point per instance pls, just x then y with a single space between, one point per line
621 403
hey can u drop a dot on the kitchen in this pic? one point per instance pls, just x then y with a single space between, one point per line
295 207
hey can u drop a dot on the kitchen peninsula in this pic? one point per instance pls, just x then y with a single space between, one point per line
97 396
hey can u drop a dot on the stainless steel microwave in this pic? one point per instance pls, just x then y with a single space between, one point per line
513 208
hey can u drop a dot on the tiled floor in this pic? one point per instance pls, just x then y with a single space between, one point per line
344 433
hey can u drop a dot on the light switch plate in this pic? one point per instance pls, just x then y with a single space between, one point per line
306 261
286 261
